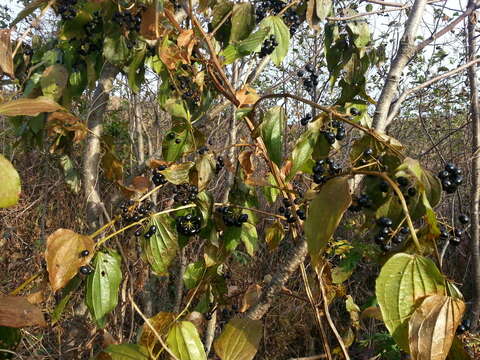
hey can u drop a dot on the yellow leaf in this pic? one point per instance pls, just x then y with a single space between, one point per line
29 107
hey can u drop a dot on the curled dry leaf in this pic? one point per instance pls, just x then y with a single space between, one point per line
29 107
63 122
246 96
63 256
250 297
6 60
17 312
432 327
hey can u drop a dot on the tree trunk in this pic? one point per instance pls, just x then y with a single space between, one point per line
475 201
92 154
404 54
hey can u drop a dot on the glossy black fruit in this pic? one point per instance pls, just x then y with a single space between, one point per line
85 270
383 186
403 181
138 232
463 219
455 241
384 221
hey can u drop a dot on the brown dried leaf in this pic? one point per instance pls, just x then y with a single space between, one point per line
431 329
371 312
6 59
186 41
29 107
245 160
140 183
151 26
17 312
63 256
246 96
161 322
36 297
112 166
170 55
63 122
250 297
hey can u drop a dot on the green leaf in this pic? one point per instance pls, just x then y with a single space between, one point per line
271 192
10 180
360 32
253 41
304 147
176 107
239 339
178 173
403 280
193 274
72 177
243 21
103 285
183 340
127 352
230 54
172 150
272 129
249 237
219 11
282 35
53 81
274 234
205 167
136 70
115 50
161 248
323 8
204 203
324 214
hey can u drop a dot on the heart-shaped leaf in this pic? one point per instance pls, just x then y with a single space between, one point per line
63 256
239 339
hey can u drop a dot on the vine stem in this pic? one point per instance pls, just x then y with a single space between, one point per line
101 241
329 318
402 201
157 335
251 209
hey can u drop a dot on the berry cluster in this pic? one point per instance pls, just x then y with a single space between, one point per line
336 132
151 231
172 136
220 164
185 193
188 89
66 9
360 202
292 20
306 119
90 27
268 46
386 236
364 159
230 218
319 170
158 178
407 190
310 79
265 6
189 225
135 215
128 20
286 211
451 178
454 236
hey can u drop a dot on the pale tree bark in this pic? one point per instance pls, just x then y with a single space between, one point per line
139 131
92 152
404 54
475 192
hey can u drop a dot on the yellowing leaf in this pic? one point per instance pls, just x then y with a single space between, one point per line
403 280
324 214
6 59
178 173
53 81
10 188
29 107
250 297
183 340
160 322
246 96
239 339
432 327
17 312
63 256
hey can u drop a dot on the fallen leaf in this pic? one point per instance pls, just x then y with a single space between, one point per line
63 256
17 312
250 297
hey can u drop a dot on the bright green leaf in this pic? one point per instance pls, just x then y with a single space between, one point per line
183 340
282 35
193 274
272 129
